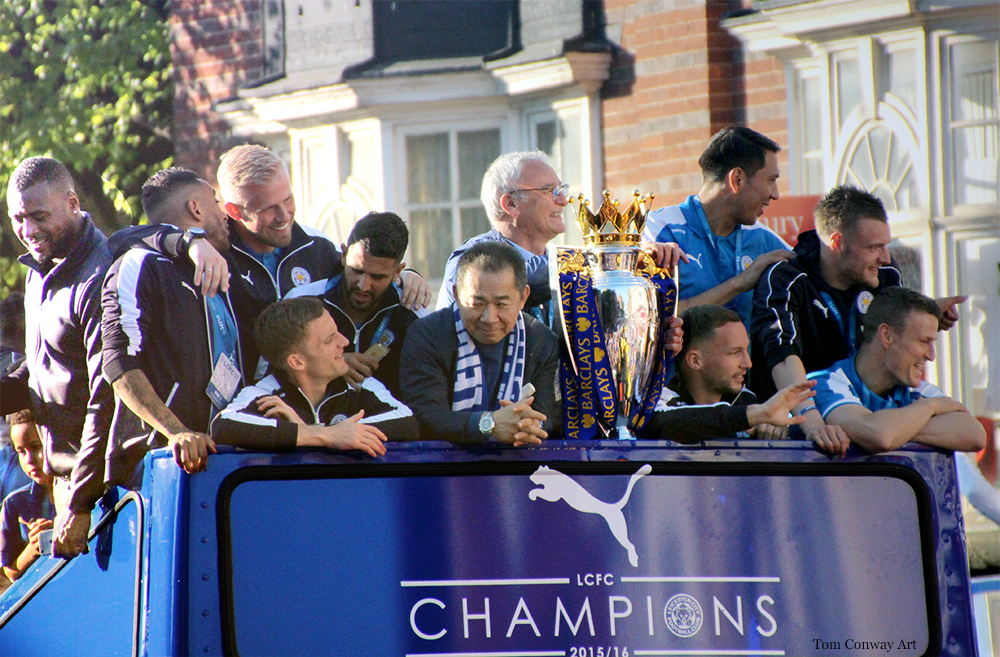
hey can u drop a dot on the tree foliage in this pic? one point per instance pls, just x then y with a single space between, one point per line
88 82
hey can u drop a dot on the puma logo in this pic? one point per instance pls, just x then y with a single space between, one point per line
821 307
694 258
557 486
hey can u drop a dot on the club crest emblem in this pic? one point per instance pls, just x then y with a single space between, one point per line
301 277
683 615
864 300
557 486
745 262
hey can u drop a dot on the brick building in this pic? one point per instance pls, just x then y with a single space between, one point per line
894 95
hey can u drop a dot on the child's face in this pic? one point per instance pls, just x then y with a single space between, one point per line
27 444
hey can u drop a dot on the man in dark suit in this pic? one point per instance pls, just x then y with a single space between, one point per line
465 370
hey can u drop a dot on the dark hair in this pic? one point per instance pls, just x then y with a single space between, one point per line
893 307
843 207
383 234
161 186
281 328
36 170
492 256
12 321
23 416
700 323
732 147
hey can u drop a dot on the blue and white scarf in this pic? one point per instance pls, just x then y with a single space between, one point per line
468 391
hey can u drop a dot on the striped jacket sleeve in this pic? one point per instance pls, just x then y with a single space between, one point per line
240 424
775 318
122 312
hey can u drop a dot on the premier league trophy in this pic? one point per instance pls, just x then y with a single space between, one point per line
614 306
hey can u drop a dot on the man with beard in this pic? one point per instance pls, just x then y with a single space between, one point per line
879 398
271 253
171 352
365 302
808 311
706 398
67 259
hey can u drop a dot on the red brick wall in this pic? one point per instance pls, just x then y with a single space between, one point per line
216 46
688 83
767 105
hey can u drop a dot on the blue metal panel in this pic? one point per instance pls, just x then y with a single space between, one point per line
929 475
165 603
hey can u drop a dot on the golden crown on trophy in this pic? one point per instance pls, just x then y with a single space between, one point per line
609 225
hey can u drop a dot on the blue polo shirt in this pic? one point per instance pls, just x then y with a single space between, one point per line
841 385
714 259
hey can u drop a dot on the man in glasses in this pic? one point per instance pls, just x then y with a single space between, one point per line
524 200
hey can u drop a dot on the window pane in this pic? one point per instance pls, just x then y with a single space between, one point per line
571 150
814 175
545 137
848 87
974 81
977 174
474 221
902 74
861 164
909 260
430 241
812 116
427 168
476 151
879 140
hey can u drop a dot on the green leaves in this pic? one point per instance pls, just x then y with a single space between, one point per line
88 82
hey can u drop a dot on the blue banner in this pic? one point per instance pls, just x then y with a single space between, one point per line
545 562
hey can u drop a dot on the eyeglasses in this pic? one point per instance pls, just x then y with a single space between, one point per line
561 189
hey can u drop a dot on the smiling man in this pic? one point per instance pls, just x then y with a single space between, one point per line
171 352
67 259
304 401
524 200
879 396
706 398
271 253
464 368
717 228
808 312
365 302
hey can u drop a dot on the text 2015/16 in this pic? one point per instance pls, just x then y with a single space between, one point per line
600 651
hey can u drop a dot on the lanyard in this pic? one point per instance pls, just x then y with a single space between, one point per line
850 330
713 240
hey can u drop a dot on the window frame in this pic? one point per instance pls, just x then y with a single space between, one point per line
454 204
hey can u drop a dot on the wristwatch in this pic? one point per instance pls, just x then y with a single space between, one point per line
192 234
486 424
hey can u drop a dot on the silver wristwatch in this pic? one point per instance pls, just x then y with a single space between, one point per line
486 423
